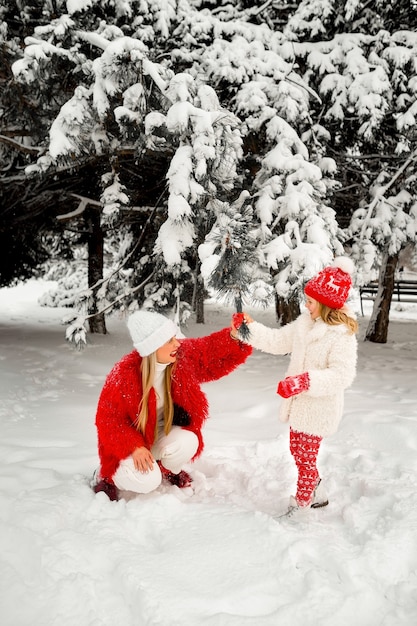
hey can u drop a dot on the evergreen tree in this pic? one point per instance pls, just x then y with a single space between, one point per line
229 255
367 84
164 111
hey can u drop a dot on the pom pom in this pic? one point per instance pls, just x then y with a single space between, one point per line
345 264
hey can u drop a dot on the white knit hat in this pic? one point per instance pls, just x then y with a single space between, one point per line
149 331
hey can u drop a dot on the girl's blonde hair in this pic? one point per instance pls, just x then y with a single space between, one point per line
148 368
333 317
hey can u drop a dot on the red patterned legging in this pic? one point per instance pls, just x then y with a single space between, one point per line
305 449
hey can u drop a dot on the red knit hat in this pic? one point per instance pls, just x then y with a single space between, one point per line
331 286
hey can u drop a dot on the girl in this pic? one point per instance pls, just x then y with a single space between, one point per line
151 409
323 348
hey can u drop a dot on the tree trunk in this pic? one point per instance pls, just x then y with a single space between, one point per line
199 296
377 330
96 323
286 312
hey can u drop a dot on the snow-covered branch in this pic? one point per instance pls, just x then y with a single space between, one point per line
76 332
381 191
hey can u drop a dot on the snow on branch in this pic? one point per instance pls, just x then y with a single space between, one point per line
379 195
76 332
93 38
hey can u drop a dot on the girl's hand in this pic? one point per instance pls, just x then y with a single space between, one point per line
293 385
143 460
238 319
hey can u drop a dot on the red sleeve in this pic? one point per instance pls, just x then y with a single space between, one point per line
214 356
117 410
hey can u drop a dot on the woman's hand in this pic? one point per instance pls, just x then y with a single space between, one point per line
143 460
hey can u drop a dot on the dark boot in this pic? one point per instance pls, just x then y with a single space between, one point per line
109 489
181 480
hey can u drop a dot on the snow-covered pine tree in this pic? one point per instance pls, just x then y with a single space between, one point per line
202 168
311 91
381 231
131 104
368 88
355 99
297 231
89 125
229 257
27 210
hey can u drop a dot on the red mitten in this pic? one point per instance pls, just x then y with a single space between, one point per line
240 325
238 319
292 385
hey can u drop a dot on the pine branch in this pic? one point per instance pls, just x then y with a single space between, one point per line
232 278
382 191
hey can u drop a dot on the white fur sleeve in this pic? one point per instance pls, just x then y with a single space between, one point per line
271 340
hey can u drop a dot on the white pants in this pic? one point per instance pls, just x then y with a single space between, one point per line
173 450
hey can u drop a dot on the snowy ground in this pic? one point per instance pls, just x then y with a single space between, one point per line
214 555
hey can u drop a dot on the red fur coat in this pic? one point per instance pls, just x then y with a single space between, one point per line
198 361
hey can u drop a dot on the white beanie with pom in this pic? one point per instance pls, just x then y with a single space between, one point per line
149 331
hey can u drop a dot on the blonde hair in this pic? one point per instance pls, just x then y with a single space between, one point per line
333 317
148 368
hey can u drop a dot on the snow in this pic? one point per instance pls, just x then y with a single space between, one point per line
212 555
73 6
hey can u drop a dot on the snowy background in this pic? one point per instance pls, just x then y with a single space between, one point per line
212 555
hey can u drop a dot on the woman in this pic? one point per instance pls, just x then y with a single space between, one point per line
323 349
151 409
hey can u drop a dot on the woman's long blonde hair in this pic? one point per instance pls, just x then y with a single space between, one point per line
148 368
333 317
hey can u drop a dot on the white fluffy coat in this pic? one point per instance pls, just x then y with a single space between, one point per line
328 354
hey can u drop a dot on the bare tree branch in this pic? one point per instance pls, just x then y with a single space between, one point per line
121 297
20 146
